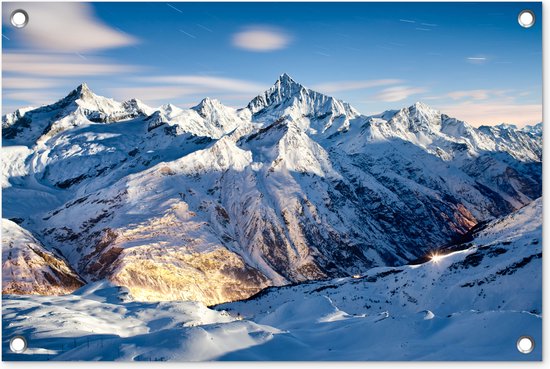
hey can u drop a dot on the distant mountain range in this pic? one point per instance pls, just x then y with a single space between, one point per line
214 204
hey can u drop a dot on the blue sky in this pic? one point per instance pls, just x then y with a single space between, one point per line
470 60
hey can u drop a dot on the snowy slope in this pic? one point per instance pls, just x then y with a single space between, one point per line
448 308
99 322
498 270
296 186
416 312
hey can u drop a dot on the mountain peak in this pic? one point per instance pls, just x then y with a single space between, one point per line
207 102
209 107
422 107
83 88
506 126
284 89
285 78
423 112
418 117
287 85
81 92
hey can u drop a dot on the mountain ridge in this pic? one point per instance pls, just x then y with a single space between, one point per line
295 187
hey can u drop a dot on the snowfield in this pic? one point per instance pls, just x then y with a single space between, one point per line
82 328
470 304
97 322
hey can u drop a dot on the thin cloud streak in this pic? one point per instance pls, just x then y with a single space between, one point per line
22 83
479 94
398 93
48 65
210 83
476 59
173 7
339 86
204 28
187 34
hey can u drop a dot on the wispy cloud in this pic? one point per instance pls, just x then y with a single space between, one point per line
158 90
22 83
60 65
477 94
261 39
398 93
407 21
208 83
53 49
29 97
491 113
332 87
66 27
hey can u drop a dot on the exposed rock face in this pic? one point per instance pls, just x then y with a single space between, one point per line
28 268
213 204
498 269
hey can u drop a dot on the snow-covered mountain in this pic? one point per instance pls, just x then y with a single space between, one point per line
312 111
214 204
498 268
81 106
416 312
429 311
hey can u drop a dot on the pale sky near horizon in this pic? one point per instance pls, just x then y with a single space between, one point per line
470 60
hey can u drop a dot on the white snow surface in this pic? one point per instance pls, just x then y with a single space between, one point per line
437 310
99 322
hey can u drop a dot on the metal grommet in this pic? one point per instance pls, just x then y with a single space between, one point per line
525 344
526 18
19 18
18 344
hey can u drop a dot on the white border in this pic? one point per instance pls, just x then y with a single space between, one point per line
362 365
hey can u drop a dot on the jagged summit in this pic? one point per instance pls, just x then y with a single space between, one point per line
208 104
83 88
137 107
314 112
82 96
81 92
506 126
535 129
284 88
422 107
285 77
287 85
416 118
